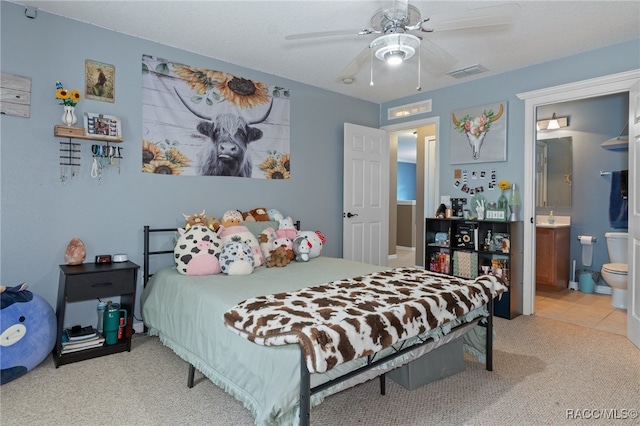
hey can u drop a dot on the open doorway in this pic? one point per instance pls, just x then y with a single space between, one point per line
616 83
406 179
426 181
569 182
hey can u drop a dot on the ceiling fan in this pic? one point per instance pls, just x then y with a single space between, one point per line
394 42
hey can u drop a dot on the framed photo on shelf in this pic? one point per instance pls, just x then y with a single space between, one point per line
100 81
102 126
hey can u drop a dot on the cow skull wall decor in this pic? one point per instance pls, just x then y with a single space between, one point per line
476 126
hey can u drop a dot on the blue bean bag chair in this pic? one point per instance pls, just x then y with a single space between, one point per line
28 331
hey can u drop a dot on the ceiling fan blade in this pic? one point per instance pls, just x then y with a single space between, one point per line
303 36
354 66
434 59
472 18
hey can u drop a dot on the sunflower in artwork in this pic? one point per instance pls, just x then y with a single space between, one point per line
150 152
277 172
162 167
175 156
199 79
269 163
244 93
276 165
285 162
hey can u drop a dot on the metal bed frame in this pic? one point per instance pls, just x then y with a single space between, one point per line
306 391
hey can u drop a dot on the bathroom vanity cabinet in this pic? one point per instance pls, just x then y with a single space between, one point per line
466 248
552 257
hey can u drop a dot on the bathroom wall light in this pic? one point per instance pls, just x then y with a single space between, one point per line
552 123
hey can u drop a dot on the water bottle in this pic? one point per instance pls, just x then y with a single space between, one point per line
101 308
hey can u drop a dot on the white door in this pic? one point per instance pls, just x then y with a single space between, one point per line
633 294
365 211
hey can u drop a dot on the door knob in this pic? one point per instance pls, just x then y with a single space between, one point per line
350 215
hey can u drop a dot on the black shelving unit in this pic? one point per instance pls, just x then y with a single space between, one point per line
462 247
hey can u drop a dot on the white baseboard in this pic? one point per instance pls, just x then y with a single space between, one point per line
406 248
603 289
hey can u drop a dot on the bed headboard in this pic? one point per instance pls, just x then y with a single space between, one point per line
149 252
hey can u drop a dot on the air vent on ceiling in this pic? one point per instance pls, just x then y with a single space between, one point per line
409 109
466 72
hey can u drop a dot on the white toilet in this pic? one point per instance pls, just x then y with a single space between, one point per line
615 273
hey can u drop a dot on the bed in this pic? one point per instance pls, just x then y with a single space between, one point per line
272 377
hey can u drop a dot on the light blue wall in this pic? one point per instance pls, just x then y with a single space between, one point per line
504 87
40 215
406 181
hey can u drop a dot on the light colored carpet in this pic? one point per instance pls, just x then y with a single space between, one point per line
542 368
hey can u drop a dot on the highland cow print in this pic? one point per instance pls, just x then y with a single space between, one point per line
347 319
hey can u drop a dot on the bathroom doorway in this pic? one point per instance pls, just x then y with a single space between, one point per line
573 187
611 84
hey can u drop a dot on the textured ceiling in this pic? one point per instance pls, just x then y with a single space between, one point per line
252 34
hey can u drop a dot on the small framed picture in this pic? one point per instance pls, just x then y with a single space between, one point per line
100 81
102 126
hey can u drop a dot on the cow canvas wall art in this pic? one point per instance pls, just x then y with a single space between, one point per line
479 134
205 122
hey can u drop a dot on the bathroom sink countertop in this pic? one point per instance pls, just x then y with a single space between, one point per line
542 221
552 225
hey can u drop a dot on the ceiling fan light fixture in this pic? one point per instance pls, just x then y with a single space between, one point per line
394 57
395 48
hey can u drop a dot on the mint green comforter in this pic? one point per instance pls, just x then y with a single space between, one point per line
186 312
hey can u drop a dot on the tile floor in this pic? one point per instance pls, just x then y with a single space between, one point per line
572 306
585 309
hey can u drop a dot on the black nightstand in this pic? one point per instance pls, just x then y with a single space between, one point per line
92 281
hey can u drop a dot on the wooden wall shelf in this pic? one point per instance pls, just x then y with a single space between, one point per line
78 133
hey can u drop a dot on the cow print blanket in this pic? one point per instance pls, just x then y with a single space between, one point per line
355 317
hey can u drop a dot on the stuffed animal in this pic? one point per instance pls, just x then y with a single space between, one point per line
213 223
286 228
236 258
278 258
197 251
316 239
284 242
248 217
28 331
195 219
260 214
266 239
301 248
231 218
275 215
241 233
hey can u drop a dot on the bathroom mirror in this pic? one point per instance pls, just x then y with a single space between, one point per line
554 158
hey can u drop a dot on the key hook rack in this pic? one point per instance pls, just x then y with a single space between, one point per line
104 152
